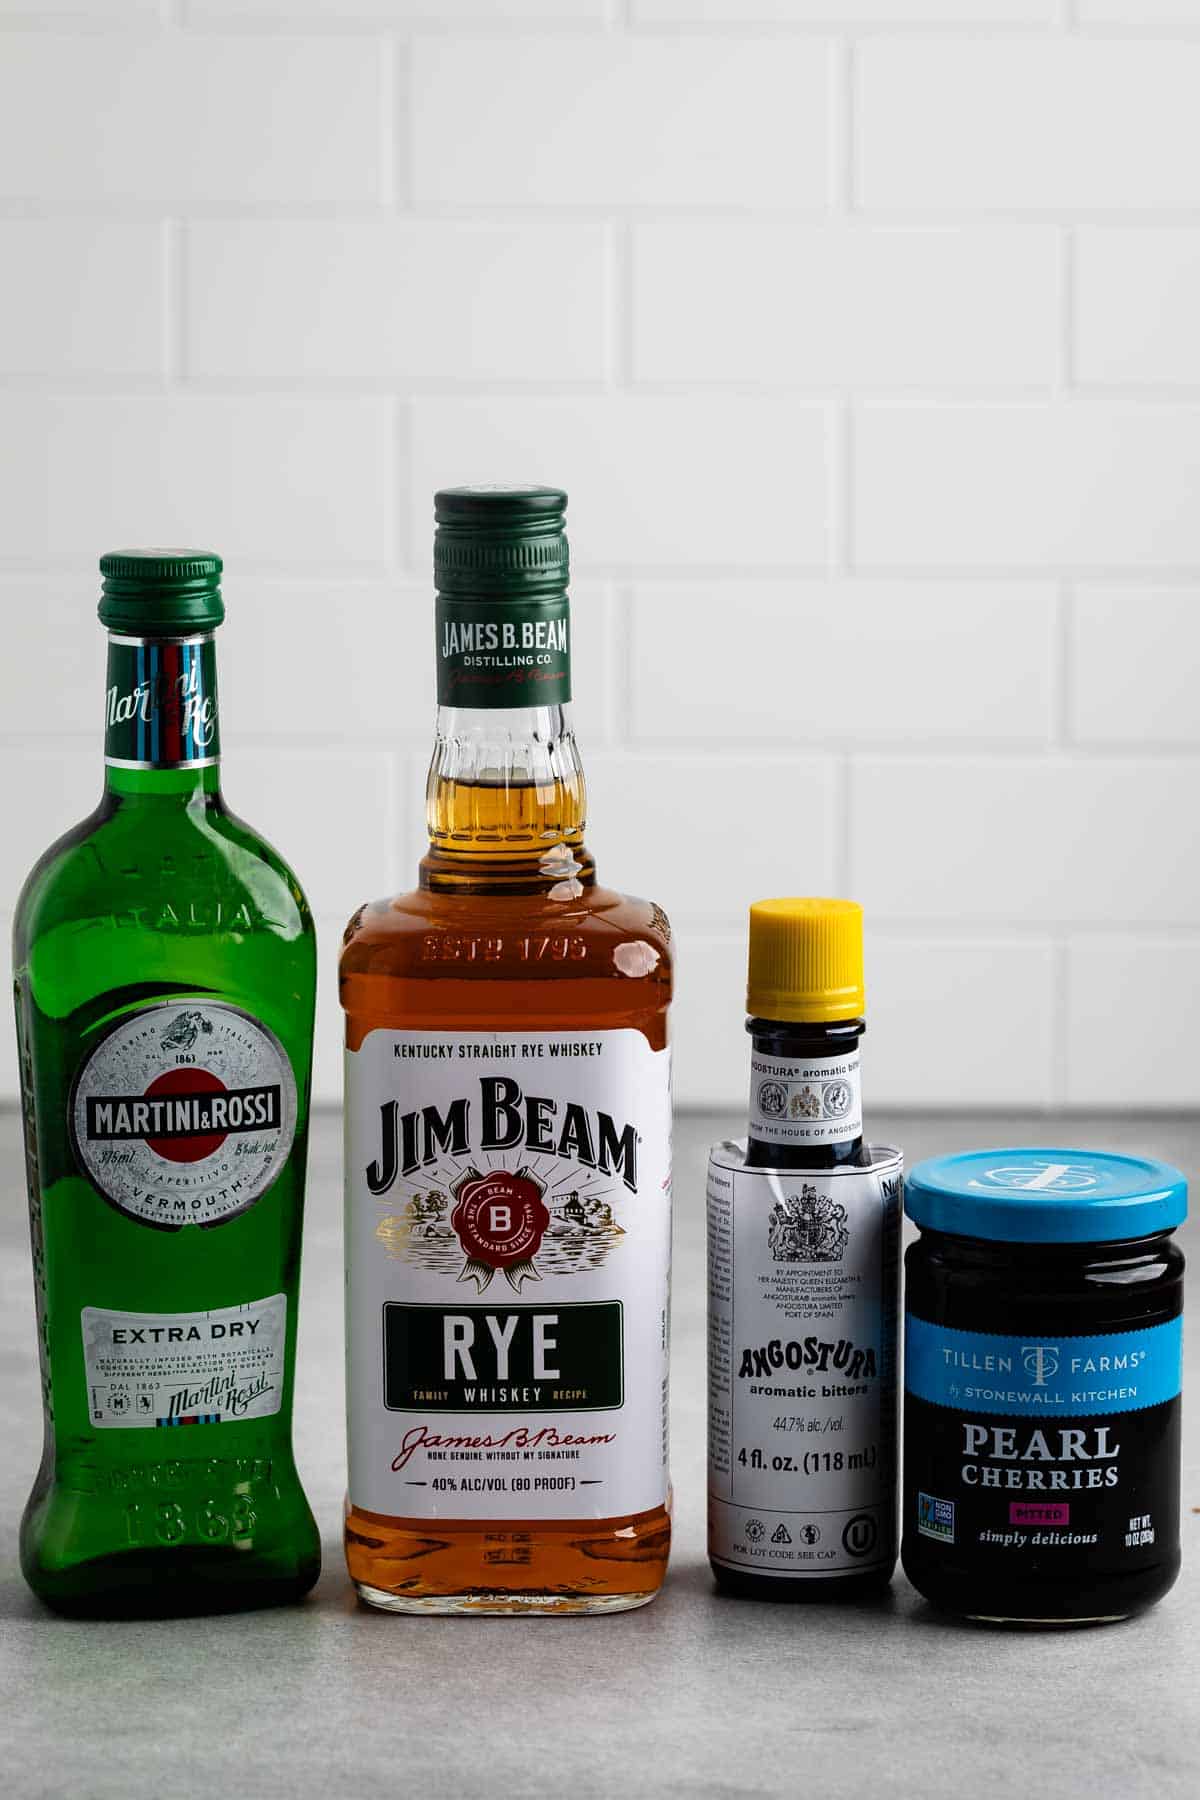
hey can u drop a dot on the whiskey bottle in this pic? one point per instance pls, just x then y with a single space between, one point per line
507 1141
803 1246
164 976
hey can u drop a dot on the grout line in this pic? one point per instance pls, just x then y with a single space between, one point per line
1161 401
414 767
1067 281
174 250
397 467
918 220
1064 674
618 308
621 662
617 15
842 799
960 398
400 803
627 300
350 22
619 12
842 125
842 489
1059 1072
391 53
905 752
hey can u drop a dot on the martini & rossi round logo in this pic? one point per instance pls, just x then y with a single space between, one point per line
184 1113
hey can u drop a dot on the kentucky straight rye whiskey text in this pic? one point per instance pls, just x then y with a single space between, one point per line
164 969
507 1141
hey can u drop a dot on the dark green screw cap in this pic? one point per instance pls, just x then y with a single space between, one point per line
161 592
506 542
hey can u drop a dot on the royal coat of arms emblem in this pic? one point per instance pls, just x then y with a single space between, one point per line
807 1227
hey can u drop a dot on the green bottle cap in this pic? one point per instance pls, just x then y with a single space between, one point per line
504 542
151 593
501 566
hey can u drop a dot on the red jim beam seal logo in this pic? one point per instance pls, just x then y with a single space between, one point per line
184 1113
500 1219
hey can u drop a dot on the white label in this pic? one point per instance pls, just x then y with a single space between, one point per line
802 1295
806 1100
199 1368
184 1113
508 1236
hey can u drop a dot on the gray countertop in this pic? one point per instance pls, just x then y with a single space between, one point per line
695 1694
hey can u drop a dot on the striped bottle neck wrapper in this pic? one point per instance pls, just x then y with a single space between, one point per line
161 703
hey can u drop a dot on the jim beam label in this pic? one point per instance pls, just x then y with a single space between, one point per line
147 1370
160 704
184 1113
508 1232
802 1308
810 1100
494 652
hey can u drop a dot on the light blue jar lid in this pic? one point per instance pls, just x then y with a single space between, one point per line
1045 1196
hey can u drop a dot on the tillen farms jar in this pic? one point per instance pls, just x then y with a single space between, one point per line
1043 1362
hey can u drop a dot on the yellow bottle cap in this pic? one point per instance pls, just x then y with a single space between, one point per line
806 960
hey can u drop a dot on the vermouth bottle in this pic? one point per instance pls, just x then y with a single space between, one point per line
164 975
508 1141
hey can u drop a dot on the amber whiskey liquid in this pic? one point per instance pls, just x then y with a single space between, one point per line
508 1154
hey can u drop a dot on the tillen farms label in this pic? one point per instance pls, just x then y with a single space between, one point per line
508 1236
184 1113
1036 1454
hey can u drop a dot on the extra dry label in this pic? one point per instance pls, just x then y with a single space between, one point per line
172 1369
508 1229
184 1113
802 1311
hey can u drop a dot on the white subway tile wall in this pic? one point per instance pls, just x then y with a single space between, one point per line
1137 292
375 301
856 305
863 334
627 119
989 124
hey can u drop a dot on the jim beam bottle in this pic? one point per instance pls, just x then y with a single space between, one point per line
507 1141
164 964
803 1241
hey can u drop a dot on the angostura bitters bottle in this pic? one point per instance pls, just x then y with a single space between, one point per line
803 1243
508 1141
164 963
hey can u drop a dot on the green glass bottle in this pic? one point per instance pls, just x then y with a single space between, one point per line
164 963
